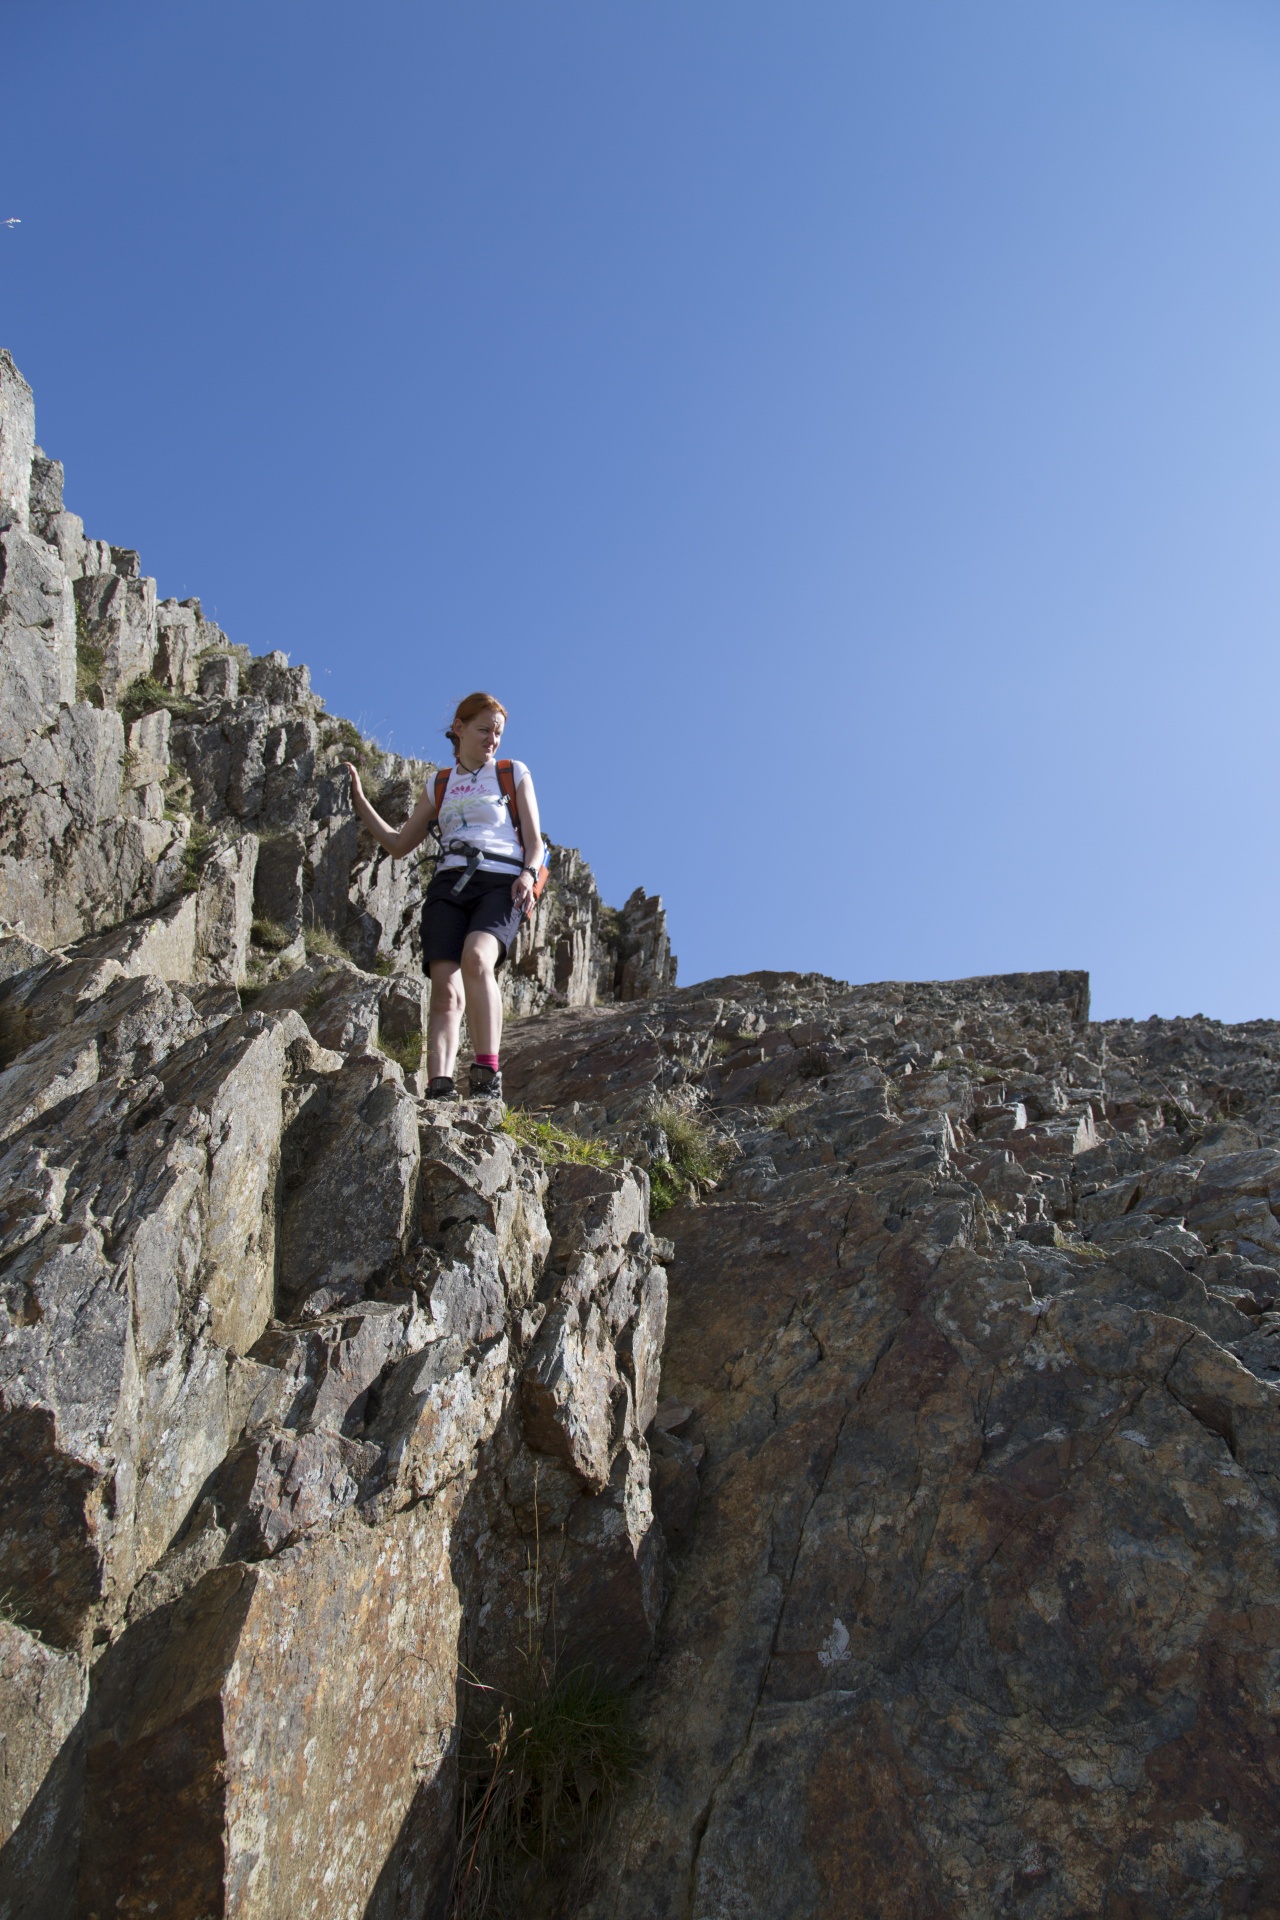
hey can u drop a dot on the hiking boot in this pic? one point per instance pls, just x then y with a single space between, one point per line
441 1087
486 1083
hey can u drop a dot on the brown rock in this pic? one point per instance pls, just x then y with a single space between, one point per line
958 1620
221 1733
42 1736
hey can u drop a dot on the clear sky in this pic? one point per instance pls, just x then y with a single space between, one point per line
846 435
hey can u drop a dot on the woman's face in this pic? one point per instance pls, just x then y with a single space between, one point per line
478 737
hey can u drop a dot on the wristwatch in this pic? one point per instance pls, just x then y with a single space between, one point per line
531 871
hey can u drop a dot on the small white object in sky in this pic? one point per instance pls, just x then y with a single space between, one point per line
10 223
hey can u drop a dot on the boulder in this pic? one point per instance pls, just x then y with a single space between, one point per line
218 1728
351 1182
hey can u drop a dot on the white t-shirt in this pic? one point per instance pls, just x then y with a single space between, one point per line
474 810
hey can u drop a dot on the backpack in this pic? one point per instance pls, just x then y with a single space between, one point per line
507 782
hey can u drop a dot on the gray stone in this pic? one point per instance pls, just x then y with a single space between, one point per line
329 1364
118 616
18 955
351 1180
219 677
90 749
251 1487
646 964
38 639
17 444
179 644
65 532
278 881
573 1400
338 1002
45 492
233 1081
43 1692
271 678
279 1486
148 750
224 912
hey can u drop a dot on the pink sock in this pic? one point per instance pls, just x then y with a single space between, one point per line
489 1060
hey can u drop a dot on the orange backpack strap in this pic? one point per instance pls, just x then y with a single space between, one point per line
507 781
442 782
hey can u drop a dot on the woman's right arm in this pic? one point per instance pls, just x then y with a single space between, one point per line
398 841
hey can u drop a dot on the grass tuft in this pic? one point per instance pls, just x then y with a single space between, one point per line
665 1187
200 848
407 1051
697 1158
148 696
318 940
538 1781
271 936
349 743
557 1145
89 661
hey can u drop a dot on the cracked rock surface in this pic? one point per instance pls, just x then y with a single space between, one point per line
152 772
270 1468
942 1418
976 1592
272 1464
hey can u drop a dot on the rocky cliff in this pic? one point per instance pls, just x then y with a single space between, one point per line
152 772
972 1454
299 1375
920 1486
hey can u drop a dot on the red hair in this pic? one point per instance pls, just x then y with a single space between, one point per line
468 709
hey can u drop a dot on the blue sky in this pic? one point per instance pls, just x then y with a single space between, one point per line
846 436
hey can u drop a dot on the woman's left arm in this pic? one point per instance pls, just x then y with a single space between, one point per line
531 835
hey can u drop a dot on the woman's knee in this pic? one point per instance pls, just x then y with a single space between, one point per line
477 964
446 995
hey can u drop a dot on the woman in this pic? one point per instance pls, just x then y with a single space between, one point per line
474 905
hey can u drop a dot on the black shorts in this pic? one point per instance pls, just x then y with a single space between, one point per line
484 906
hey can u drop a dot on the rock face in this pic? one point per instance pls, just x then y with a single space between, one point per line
143 757
945 1426
270 1450
272 1328
976 1608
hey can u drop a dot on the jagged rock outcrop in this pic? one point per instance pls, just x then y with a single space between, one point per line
283 1400
976 1593
142 757
276 1345
945 1425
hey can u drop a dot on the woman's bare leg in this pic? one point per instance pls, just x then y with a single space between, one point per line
480 953
444 1021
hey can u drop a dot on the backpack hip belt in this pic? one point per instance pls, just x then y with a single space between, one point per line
474 856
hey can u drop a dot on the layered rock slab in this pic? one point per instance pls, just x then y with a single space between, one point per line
267 1319
978 1607
269 1733
265 1324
